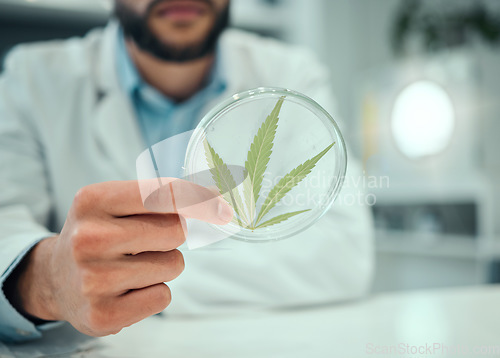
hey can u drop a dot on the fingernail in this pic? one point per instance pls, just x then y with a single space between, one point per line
224 211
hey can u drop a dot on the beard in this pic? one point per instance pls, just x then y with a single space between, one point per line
136 27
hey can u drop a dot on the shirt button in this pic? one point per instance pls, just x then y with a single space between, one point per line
23 333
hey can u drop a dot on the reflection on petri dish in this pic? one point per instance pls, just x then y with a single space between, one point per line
277 157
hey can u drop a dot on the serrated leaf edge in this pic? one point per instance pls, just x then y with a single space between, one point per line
280 218
234 197
288 182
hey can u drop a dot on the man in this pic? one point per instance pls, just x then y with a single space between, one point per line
77 243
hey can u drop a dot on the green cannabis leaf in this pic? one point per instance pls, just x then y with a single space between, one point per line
225 182
258 158
280 218
255 167
288 182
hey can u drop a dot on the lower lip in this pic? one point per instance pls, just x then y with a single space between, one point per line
181 14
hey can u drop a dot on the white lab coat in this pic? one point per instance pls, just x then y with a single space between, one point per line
65 123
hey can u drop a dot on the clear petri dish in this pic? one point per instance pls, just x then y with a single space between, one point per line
277 157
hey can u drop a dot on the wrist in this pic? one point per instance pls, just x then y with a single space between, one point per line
34 286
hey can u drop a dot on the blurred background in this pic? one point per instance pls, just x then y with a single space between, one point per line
418 89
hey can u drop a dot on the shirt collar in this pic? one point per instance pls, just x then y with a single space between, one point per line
132 82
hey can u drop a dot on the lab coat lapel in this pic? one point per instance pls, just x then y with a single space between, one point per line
117 134
115 125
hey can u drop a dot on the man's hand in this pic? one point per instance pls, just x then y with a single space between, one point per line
107 268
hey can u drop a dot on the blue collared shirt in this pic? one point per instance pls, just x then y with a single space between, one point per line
159 116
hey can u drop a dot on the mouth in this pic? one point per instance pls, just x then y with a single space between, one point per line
181 11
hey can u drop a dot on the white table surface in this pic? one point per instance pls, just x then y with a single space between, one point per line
466 317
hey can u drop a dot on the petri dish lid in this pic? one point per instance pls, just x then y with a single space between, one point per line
275 155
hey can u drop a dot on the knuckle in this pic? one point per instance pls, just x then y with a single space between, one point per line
179 232
178 262
95 321
82 241
89 240
100 321
84 199
89 283
161 297
95 282
78 245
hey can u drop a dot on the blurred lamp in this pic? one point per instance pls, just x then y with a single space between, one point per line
423 120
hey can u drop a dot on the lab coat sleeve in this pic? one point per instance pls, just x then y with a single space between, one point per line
330 262
24 194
